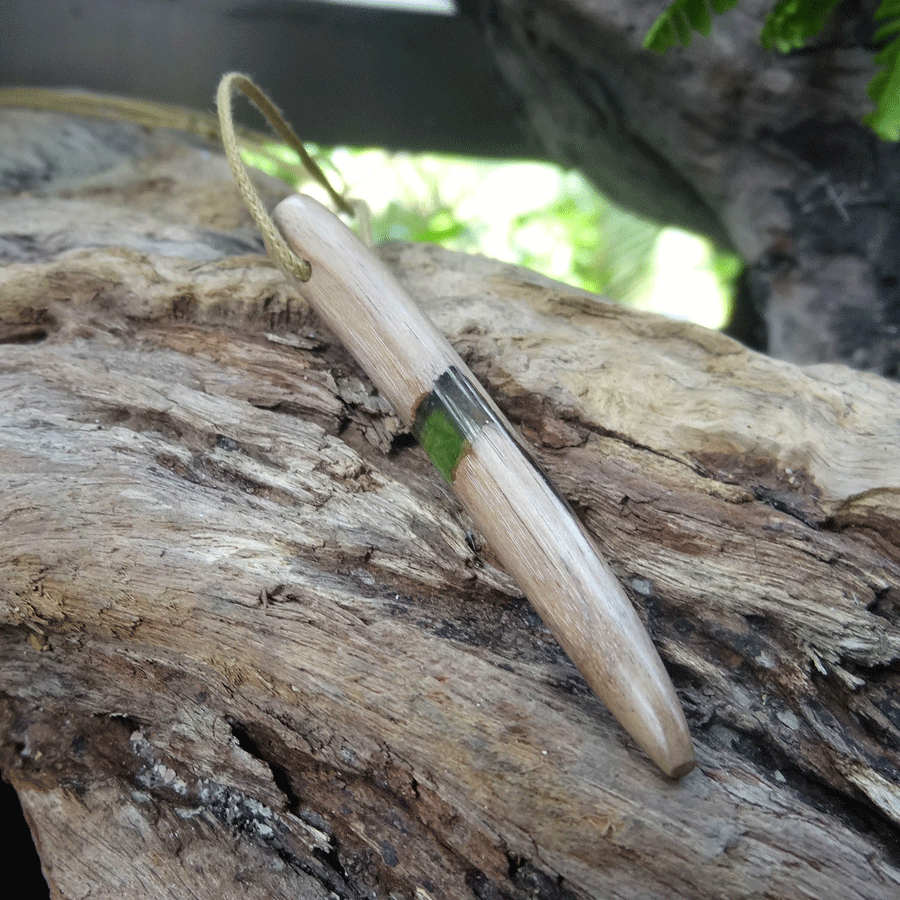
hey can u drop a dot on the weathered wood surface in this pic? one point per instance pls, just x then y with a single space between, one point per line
250 649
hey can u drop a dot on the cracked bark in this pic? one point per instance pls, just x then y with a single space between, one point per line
250 647
761 151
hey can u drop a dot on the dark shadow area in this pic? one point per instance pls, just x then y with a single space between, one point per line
19 857
342 74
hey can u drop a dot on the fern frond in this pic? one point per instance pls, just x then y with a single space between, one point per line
675 24
884 88
791 23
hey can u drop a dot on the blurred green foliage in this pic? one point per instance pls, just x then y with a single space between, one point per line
531 214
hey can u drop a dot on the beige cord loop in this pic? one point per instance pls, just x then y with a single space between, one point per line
275 243
126 109
165 116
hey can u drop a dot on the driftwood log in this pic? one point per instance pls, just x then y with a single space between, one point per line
250 647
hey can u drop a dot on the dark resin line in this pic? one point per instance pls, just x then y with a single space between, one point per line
448 418
451 414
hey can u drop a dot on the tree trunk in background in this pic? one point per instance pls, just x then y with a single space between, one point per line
249 646
761 151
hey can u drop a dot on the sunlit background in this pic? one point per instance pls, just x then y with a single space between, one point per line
531 214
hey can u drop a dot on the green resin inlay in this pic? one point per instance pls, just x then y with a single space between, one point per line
443 441
449 417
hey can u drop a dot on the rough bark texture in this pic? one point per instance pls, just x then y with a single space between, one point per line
249 647
764 152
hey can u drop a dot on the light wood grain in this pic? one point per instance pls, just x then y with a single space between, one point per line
396 345
557 566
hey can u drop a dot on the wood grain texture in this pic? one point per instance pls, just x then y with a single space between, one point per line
249 649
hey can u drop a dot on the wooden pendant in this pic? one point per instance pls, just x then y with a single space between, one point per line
526 522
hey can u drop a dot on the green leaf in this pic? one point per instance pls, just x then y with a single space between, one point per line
682 28
700 18
886 31
791 23
884 88
661 36
676 22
